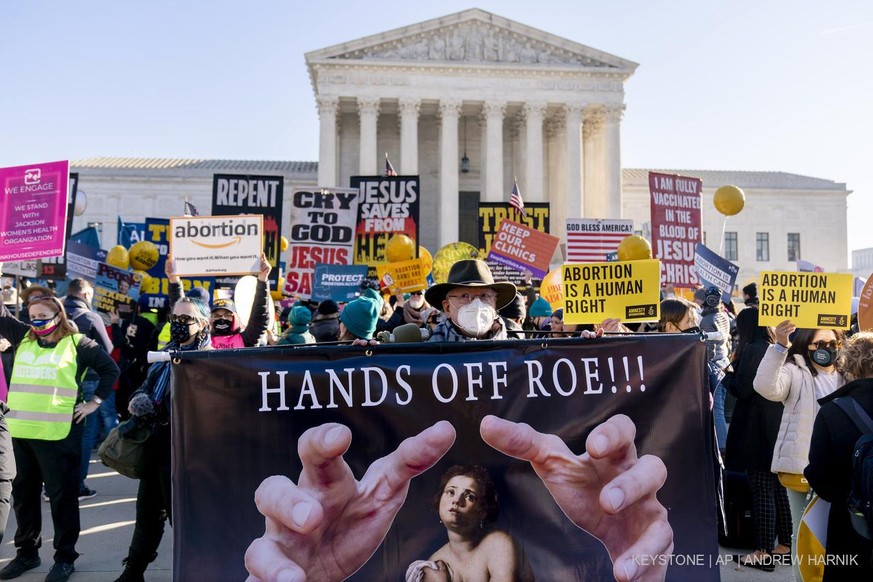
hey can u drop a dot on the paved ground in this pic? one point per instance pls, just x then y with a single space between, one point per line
107 524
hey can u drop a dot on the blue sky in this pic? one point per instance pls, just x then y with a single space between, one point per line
723 85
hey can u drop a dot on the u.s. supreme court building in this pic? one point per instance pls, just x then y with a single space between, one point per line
471 102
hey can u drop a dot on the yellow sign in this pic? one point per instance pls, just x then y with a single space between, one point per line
809 300
625 290
403 276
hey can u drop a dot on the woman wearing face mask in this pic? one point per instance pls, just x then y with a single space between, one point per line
45 414
189 330
678 316
798 371
225 326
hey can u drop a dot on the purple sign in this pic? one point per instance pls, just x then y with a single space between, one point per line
33 210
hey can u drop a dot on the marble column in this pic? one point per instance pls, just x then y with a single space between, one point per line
449 110
533 114
611 140
328 107
593 164
573 159
555 178
494 112
368 113
409 109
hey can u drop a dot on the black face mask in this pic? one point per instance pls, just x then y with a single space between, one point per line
222 327
824 357
179 332
694 329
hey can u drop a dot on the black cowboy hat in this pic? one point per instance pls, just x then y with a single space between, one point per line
470 273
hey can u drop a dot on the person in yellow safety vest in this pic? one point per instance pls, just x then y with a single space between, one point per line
45 418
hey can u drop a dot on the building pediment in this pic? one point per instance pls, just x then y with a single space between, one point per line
473 37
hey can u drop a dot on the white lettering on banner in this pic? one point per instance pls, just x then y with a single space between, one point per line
246 193
472 381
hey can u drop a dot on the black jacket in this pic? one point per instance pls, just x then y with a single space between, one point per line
830 472
755 423
90 324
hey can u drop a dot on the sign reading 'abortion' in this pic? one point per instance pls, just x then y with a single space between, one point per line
216 245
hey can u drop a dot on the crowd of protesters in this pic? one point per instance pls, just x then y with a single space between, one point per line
772 393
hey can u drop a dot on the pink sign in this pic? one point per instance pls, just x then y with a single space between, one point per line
33 211
676 226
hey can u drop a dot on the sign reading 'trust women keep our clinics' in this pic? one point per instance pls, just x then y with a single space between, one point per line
809 300
216 245
625 290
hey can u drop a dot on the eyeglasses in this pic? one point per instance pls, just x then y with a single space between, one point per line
183 319
488 297
821 344
417 293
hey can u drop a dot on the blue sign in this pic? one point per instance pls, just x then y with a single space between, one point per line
712 269
341 283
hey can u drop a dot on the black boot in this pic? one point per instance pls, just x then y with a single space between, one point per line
134 569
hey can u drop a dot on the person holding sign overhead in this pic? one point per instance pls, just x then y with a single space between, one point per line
225 327
798 370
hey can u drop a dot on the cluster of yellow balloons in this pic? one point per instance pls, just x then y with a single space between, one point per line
401 248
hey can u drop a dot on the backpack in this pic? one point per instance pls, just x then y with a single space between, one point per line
860 502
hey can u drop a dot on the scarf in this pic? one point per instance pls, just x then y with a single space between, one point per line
412 315
162 369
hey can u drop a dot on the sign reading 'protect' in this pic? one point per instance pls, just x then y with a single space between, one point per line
216 245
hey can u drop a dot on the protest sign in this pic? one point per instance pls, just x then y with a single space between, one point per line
675 206
388 205
625 290
342 283
491 215
322 230
255 195
130 233
83 260
712 269
114 286
28 268
808 299
33 210
865 306
402 276
590 240
156 286
216 245
523 248
252 406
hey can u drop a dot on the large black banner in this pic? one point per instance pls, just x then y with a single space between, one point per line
239 416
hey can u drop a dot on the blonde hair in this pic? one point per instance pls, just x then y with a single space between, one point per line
856 357
65 326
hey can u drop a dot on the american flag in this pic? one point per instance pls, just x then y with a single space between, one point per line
515 199
389 169
190 209
589 240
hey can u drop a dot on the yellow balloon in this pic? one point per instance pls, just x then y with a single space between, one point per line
144 255
448 256
276 294
729 200
283 244
426 260
552 289
118 257
399 248
634 248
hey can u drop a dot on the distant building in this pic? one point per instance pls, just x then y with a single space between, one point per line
862 262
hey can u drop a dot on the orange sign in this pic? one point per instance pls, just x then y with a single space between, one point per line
865 307
523 248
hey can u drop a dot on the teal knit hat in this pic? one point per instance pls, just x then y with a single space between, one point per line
299 318
540 308
359 316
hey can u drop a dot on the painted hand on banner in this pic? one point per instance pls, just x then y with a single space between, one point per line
328 525
607 491
264 268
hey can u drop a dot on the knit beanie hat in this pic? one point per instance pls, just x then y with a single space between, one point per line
360 315
540 308
328 307
299 318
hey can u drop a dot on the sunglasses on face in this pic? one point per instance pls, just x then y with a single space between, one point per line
39 298
416 293
821 345
183 319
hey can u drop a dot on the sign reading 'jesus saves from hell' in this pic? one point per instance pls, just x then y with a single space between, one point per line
216 245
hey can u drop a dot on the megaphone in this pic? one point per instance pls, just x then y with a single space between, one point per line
402 334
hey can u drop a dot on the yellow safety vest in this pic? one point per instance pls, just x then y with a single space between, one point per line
43 390
164 336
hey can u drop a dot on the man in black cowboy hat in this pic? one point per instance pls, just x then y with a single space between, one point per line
470 299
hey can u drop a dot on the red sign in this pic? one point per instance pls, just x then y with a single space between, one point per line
523 248
676 226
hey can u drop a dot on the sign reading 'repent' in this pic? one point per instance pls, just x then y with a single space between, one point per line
216 245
